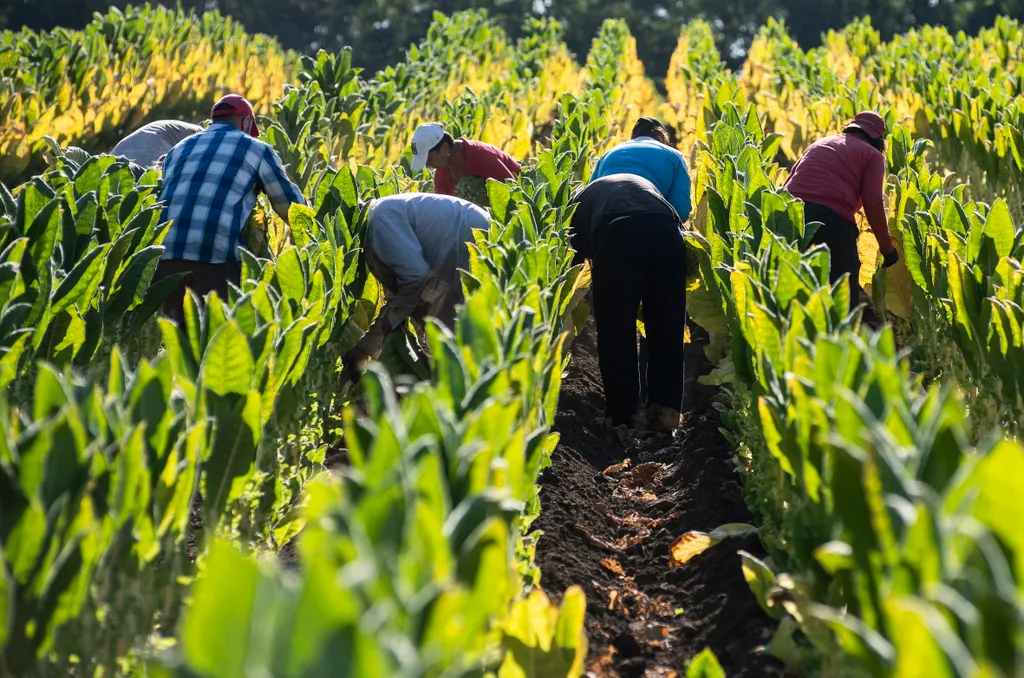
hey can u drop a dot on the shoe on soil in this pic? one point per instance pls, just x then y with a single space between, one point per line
663 419
637 420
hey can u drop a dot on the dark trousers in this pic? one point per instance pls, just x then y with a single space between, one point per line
640 259
202 279
840 236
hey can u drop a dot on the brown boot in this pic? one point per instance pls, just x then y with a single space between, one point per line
663 419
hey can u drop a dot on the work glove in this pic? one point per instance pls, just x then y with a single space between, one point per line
354 362
890 258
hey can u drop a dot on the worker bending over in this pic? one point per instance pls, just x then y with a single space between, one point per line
650 154
415 244
209 190
146 145
453 159
634 241
834 178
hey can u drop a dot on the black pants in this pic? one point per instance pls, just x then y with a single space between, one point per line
840 236
203 279
640 259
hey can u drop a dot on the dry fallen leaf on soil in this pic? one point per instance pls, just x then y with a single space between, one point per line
601 543
643 475
613 565
623 493
689 545
617 468
604 661
637 521
660 672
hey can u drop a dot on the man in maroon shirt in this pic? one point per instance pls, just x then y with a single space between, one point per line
835 177
453 159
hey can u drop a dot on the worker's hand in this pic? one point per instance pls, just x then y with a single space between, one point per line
890 258
354 362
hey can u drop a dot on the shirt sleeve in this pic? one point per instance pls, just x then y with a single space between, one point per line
513 166
484 163
276 184
679 193
872 183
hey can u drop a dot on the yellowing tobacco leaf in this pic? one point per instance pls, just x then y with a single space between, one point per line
689 545
694 543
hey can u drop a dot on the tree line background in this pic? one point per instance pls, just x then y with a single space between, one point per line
379 31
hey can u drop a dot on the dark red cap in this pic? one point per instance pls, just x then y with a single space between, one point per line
870 123
235 104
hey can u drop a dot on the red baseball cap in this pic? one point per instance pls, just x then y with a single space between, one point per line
870 123
235 104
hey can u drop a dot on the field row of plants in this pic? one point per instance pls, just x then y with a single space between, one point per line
951 285
416 557
888 517
89 88
962 92
165 500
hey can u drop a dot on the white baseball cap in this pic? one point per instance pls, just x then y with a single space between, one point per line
426 136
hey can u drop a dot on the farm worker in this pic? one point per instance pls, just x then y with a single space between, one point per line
452 159
633 238
150 142
650 154
834 178
415 244
209 190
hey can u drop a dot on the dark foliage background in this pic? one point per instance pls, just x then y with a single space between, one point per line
379 31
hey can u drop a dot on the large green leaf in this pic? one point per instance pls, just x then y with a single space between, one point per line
43 231
290 275
80 280
227 365
302 222
132 283
216 628
999 228
993 492
232 455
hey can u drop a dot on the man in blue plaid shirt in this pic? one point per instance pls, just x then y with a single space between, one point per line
209 190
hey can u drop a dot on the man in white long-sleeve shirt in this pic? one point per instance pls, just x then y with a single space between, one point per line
415 244
151 142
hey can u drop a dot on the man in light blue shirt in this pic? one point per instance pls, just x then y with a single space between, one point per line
628 224
649 154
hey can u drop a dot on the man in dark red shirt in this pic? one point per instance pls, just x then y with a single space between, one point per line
453 159
835 177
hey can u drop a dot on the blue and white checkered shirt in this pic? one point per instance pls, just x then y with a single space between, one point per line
209 191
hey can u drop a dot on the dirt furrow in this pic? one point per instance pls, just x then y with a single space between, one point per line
608 526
